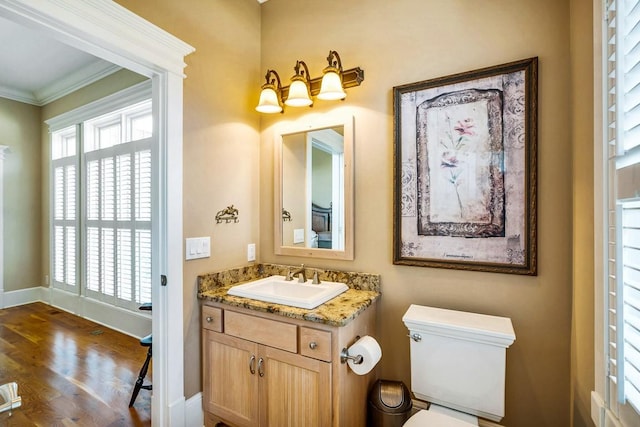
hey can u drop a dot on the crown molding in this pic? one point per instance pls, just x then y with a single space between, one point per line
70 83
83 23
76 80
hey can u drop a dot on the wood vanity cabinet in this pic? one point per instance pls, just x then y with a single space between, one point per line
262 369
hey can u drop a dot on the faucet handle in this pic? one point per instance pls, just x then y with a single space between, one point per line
316 279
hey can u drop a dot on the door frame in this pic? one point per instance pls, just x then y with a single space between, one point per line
109 31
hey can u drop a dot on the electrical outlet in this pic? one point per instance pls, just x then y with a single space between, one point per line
251 252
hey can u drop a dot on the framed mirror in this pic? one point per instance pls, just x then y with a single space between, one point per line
313 188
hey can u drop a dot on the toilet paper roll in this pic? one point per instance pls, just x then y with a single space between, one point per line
371 354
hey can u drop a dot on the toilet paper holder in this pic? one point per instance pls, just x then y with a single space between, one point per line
344 355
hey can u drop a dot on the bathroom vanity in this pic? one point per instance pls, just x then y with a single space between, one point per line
267 364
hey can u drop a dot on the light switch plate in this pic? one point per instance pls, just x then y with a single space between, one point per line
298 235
198 247
251 252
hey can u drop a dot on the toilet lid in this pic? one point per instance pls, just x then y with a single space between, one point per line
441 417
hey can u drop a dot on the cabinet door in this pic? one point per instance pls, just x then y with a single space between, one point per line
230 378
294 390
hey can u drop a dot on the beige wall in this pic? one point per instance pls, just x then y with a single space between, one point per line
227 161
407 41
221 139
20 130
228 153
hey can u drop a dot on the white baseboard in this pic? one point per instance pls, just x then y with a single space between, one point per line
600 414
194 414
597 409
126 321
25 296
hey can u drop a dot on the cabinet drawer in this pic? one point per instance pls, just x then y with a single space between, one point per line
263 331
212 318
315 343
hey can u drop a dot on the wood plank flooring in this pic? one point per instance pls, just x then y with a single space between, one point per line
70 371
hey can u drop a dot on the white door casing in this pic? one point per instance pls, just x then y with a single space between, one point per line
3 150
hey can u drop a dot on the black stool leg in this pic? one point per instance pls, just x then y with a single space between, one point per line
140 380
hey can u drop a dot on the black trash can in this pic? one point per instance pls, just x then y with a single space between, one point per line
389 404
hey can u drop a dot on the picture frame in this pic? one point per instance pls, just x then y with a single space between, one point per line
465 170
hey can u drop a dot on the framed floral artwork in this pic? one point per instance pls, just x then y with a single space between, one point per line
465 159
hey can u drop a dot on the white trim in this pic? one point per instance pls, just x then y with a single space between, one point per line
3 150
194 413
25 296
17 95
74 81
105 29
68 84
597 409
109 31
136 93
127 322
599 395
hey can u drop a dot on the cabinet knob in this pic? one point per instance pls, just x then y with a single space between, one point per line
313 345
209 319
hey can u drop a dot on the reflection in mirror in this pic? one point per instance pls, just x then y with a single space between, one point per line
314 179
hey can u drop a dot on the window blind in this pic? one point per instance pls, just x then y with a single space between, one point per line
107 174
622 136
118 158
64 209
629 218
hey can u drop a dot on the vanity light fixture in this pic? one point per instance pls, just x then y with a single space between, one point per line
330 86
271 94
300 89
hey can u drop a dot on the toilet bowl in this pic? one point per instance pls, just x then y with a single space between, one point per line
458 362
440 416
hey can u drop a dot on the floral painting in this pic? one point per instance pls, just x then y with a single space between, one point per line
465 163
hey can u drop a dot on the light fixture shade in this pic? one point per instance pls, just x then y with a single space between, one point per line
268 101
298 94
331 87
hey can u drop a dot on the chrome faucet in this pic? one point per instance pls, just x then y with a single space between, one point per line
302 277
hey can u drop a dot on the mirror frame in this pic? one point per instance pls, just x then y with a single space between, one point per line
307 125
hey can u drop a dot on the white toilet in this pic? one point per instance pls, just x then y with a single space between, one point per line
458 365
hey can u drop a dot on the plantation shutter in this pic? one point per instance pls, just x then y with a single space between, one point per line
118 207
102 182
64 209
623 219
630 236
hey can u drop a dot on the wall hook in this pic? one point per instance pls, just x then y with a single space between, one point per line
229 214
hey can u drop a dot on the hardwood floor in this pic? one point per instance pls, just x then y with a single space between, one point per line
70 371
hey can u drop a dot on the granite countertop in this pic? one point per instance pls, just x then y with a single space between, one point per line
339 311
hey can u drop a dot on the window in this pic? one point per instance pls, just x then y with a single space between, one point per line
622 198
64 164
102 186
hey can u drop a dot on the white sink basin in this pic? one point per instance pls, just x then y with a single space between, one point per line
276 289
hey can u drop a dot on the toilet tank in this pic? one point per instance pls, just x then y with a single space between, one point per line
458 359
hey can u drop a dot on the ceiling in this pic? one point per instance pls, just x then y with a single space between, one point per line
36 69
